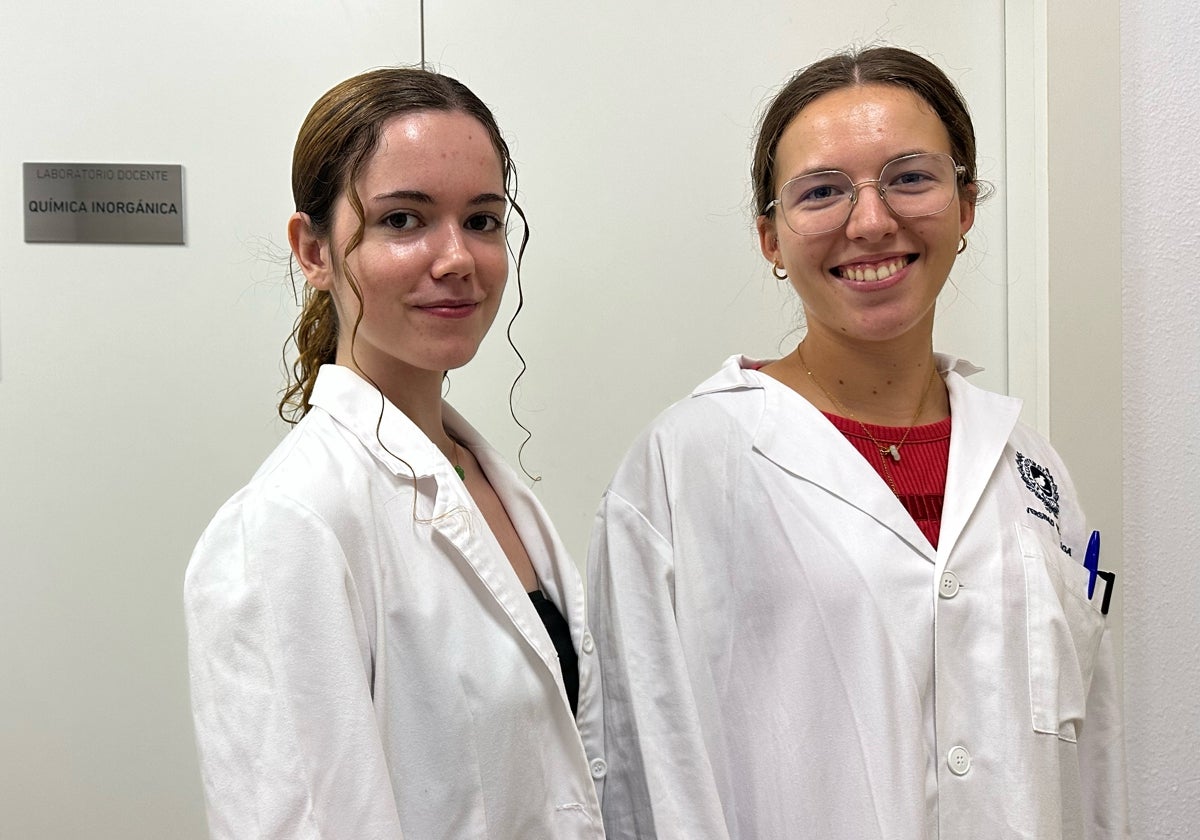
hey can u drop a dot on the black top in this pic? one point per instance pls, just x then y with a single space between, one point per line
560 634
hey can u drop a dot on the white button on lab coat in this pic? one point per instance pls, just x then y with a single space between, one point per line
785 655
364 660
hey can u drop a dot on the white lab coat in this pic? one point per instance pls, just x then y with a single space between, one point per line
786 656
368 666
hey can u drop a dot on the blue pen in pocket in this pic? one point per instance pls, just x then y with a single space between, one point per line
1091 561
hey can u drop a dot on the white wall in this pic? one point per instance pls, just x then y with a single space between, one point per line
1160 59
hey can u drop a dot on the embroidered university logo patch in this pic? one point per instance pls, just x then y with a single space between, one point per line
1040 482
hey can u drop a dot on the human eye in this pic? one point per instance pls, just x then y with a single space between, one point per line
484 223
401 220
917 174
815 192
911 179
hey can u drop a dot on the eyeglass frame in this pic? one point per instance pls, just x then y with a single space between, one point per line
959 172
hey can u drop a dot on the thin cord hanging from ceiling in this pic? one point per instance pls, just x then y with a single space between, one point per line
423 67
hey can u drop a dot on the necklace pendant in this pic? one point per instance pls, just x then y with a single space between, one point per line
892 451
461 472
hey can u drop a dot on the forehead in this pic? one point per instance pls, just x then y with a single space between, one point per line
423 147
860 126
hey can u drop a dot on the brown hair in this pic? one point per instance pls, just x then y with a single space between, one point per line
336 140
876 65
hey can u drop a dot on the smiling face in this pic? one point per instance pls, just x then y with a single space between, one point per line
877 277
432 262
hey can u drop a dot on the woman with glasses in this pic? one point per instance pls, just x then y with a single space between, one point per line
845 593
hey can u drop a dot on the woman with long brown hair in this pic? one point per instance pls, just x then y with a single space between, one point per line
386 636
845 593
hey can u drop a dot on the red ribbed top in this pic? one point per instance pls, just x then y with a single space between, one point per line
919 475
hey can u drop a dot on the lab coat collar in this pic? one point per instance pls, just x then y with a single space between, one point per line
982 424
355 404
359 407
742 372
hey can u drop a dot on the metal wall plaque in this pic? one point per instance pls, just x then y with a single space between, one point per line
104 202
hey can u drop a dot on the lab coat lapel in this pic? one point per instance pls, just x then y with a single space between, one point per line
479 547
981 425
442 500
822 455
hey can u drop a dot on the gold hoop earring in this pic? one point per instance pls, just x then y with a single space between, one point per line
962 244
778 271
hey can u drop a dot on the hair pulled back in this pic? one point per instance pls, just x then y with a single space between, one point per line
336 141
874 65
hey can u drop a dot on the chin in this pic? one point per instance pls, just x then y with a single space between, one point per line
889 330
452 359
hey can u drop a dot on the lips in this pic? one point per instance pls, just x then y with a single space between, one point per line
449 308
875 270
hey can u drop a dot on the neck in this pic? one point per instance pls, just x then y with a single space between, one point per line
883 383
417 393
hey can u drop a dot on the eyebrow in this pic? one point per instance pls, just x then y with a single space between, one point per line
820 168
425 198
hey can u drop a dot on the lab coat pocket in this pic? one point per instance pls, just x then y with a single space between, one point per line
1064 631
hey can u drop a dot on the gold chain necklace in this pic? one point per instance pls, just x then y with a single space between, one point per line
892 450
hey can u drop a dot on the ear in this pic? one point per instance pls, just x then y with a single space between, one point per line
768 239
966 208
311 252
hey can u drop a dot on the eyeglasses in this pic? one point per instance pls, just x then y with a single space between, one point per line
911 186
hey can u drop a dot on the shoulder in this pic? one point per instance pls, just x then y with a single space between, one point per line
313 465
697 434
1045 475
731 401
289 484
1035 457
316 479
721 406
1030 440
1035 454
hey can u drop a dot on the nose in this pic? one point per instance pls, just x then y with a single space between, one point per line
453 257
870 217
